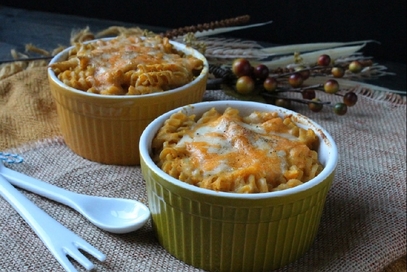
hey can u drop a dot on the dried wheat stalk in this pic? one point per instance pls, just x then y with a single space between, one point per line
207 26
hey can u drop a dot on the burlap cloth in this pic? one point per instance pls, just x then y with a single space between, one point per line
363 226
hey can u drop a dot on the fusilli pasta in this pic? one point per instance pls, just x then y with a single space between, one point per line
261 152
131 65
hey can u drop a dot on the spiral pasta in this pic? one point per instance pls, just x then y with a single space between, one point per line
127 65
261 152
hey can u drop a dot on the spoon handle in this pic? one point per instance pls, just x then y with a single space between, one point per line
40 187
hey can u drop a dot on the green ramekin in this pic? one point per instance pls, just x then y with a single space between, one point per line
219 231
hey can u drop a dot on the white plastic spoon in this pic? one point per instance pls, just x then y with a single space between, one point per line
116 215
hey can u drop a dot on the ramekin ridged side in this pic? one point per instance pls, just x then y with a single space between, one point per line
216 234
107 130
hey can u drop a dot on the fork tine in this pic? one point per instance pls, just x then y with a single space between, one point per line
65 263
73 252
58 239
85 246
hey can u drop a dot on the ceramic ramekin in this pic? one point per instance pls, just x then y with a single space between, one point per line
219 231
107 128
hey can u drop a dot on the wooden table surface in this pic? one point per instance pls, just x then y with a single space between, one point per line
48 30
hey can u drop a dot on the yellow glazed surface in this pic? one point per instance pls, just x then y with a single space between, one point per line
220 231
107 129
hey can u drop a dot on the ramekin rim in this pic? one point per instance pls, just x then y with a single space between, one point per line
144 146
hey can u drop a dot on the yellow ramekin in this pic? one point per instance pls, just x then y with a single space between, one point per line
219 231
107 128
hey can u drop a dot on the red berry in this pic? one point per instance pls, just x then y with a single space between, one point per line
350 99
338 71
261 72
241 67
295 80
315 107
245 85
281 102
270 84
331 86
308 94
324 60
340 108
305 72
355 67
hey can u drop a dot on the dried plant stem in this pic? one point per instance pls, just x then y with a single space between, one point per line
303 101
27 59
316 86
207 26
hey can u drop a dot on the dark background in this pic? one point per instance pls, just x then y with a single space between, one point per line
294 21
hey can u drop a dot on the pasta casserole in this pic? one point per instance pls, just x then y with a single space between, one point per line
260 152
131 65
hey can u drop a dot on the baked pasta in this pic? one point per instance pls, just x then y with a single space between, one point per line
131 65
261 152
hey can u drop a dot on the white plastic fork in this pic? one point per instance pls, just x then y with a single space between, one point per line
58 239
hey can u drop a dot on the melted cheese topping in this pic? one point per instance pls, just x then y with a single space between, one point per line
127 65
231 153
124 55
226 145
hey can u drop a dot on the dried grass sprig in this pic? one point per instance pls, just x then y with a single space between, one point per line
310 58
206 26
81 35
229 54
57 50
228 29
308 47
230 42
221 50
34 49
120 30
17 55
9 69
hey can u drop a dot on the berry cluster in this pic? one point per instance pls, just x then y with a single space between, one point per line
249 79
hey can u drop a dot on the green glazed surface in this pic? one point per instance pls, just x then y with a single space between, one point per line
227 234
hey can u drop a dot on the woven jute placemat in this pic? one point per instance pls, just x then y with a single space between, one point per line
363 226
